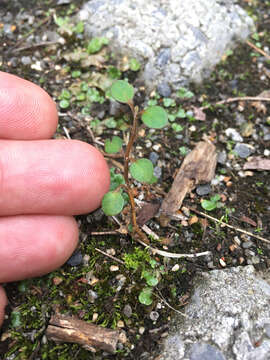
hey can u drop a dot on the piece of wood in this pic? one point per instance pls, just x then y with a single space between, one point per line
92 337
198 167
257 163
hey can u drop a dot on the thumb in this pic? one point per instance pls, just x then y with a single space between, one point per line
3 303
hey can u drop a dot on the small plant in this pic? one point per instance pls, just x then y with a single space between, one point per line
141 170
211 204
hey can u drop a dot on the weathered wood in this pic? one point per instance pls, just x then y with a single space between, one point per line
92 337
198 167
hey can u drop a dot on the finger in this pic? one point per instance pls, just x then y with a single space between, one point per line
66 177
3 303
34 245
26 111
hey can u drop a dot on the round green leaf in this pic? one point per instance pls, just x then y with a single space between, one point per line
145 296
114 145
112 203
209 205
122 91
64 104
142 170
155 117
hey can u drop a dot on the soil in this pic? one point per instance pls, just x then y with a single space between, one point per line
88 286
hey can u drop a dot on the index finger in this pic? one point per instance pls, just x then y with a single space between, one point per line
27 112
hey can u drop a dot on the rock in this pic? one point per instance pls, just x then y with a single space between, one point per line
75 259
164 89
154 315
177 41
228 317
202 190
201 351
242 150
157 172
247 244
26 60
127 311
153 157
222 157
233 134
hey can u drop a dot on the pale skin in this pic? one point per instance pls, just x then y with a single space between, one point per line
43 182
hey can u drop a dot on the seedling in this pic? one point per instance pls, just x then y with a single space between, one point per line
141 170
211 204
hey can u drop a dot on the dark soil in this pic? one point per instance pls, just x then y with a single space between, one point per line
91 287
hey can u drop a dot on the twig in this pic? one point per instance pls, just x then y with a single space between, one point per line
239 98
169 306
173 255
42 22
150 232
44 43
66 132
230 226
110 232
110 256
260 51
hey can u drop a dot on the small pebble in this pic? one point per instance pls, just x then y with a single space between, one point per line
141 330
222 157
247 244
114 268
153 157
233 134
157 147
242 150
95 317
255 260
26 60
92 296
75 259
154 315
222 263
237 240
127 311
175 267
120 324
202 190
266 152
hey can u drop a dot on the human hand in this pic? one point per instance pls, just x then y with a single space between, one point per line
42 184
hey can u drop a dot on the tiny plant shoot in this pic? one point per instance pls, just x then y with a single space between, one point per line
141 170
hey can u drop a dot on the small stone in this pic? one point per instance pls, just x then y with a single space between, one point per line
267 330
222 263
120 324
192 128
75 259
266 152
202 190
114 268
233 134
247 244
222 157
154 315
157 147
210 265
175 267
127 311
92 296
163 57
141 330
164 89
153 157
157 172
95 317
111 251
86 259
26 60
242 150
255 260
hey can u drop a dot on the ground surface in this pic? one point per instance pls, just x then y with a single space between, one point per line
99 287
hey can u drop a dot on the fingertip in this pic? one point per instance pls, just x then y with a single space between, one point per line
3 304
27 112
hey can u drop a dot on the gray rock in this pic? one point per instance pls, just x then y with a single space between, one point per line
177 41
200 351
127 311
228 317
222 157
247 244
203 189
164 89
233 134
75 259
157 172
26 60
154 315
242 150
153 157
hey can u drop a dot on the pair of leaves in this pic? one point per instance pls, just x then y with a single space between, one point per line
153 117
211 204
